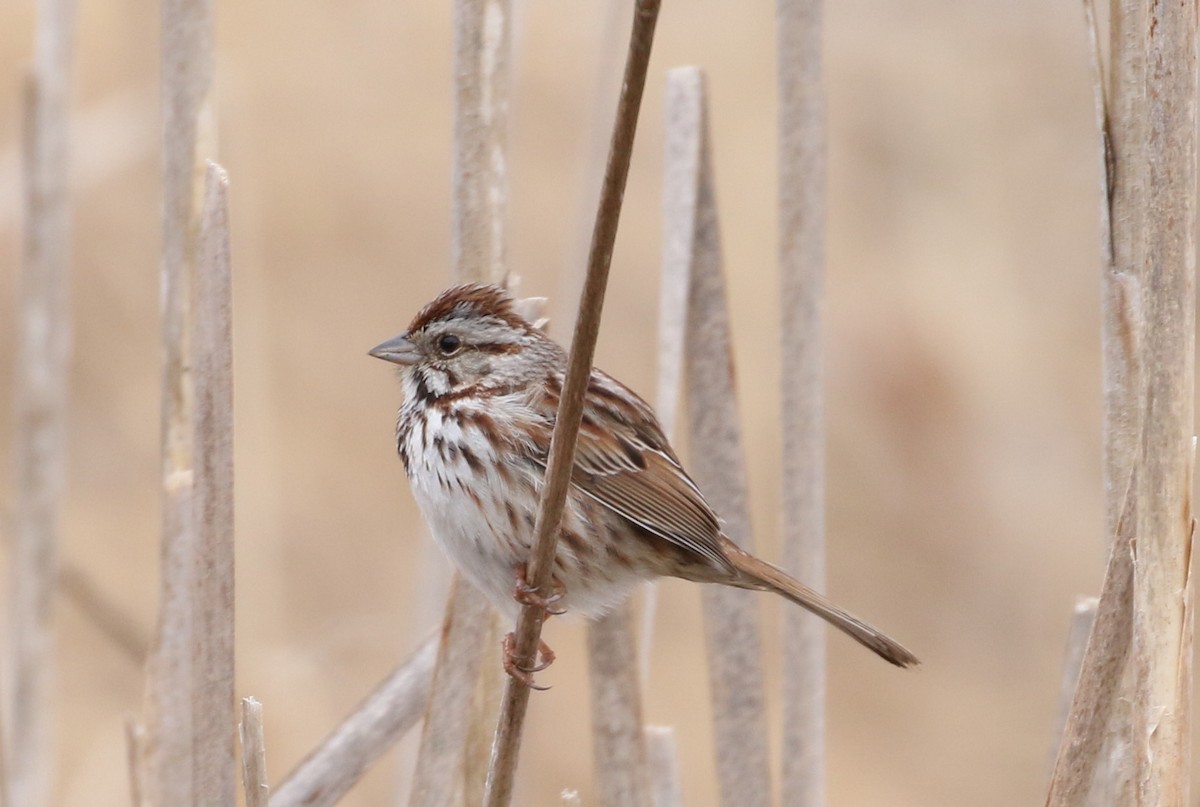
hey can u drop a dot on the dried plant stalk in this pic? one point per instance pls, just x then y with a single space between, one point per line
254 755
665 781
1162 557
39 413
341 759
618 747
215 754
438 778
1082 618
802 181
482 46
188 139
135 739
1098 688
714 437
1097 714
506 745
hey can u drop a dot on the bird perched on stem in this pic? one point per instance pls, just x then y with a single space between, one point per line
482 388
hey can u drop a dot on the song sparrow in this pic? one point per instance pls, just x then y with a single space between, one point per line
482 389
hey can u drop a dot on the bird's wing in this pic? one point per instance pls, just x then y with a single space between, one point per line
624 462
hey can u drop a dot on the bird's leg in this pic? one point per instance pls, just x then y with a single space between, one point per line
525 674
528 595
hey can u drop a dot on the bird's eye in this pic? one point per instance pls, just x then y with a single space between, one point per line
449 344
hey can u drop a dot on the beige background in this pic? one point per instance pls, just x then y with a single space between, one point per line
963 362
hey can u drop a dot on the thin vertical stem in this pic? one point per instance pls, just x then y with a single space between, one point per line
802 172
1162 620
714 436
214 763
663 761
482 47
507 742
40 413
188 140
618 746
482 56
437 779
254 754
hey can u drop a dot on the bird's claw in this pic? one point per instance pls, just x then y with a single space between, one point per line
525 674
528 595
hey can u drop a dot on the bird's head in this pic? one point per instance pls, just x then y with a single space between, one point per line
469 336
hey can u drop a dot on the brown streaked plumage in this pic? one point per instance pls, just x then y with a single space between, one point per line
482 389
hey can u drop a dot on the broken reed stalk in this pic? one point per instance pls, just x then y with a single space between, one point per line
135 742
214 765
438 777
1162 616
39 413
506 744
618 744
731 621
189 138
1097 714
1082 619
461 711
1098 687
1121 120
347 752
802 182
663 761
254 754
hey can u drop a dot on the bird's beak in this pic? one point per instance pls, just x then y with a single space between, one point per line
399 350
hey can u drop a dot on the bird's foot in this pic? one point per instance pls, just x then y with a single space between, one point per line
525 674
528 595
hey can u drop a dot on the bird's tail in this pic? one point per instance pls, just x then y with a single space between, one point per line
760 575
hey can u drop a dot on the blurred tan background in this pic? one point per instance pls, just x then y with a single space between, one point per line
963 368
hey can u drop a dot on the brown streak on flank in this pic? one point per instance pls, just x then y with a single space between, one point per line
514 520
574 541
469 457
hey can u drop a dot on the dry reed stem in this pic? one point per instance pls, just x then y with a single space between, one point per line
489 687
618 746
1099 686
714 436
188 139
135 740
507 740
1111 780
215 752
334 766
457 708
1163 545
254 754
438 777
40 410
802 182
482 46
663 760
1083 616
40 396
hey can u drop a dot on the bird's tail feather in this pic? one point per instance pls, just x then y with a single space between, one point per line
758 574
